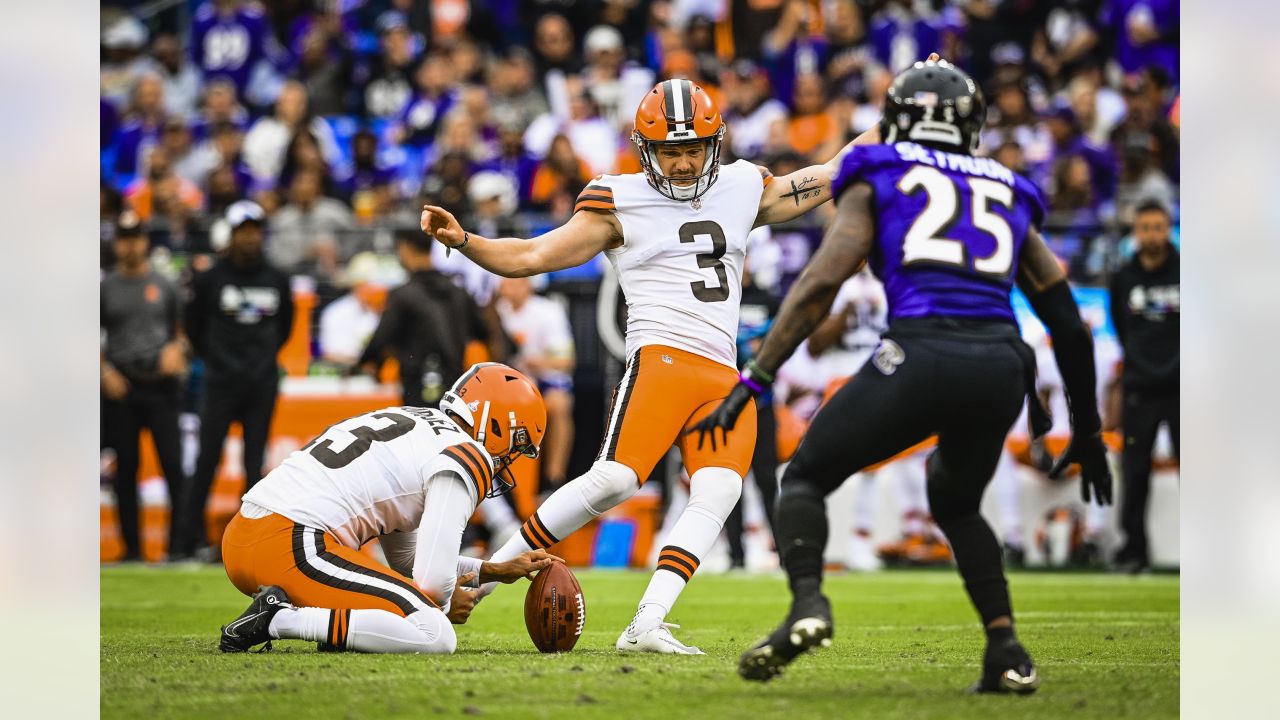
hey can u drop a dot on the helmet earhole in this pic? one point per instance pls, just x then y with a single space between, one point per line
495 427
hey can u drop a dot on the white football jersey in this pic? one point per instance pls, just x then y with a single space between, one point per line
367 476
680 265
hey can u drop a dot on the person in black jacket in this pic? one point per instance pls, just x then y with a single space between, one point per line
239 316
427 324
1145 304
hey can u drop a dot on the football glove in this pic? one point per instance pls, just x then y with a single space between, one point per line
724 417
1095 473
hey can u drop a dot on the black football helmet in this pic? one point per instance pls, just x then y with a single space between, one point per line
935 104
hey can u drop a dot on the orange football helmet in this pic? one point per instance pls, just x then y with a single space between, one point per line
678 112
505 412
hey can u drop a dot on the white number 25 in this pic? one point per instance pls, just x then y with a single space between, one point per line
922 243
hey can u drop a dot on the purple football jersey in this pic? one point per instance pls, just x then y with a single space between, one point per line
949 228
229 46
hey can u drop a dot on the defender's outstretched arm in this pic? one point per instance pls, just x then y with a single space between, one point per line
586 234
1045 285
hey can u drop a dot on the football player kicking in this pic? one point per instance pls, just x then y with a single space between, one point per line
408 476
677 236
948 234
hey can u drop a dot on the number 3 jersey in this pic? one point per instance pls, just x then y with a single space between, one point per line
680 265
949 228
366 476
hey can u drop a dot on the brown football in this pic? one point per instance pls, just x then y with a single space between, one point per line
554 611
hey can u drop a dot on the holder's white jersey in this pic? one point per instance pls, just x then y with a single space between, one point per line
367 476
680 265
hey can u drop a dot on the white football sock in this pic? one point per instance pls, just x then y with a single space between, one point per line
712 494
605 485
305 623
372 631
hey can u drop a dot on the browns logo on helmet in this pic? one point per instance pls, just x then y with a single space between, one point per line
505 412
677 112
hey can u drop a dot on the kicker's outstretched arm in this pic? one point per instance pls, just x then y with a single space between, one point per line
586 234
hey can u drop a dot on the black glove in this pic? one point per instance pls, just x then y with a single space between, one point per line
1095 473
725 416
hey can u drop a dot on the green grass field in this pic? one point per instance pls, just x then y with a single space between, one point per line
907 644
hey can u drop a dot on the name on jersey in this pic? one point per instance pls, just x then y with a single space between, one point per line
433 419
967 164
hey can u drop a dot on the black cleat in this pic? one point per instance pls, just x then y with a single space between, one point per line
1007 668
809 625
251 628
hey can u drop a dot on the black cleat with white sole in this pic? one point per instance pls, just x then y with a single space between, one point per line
1007 668
808 626
251 628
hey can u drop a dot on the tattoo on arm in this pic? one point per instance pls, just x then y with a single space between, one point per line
805 189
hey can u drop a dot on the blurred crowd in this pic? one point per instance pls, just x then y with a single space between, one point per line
343 116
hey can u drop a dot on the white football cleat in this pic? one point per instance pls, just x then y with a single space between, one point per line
657 639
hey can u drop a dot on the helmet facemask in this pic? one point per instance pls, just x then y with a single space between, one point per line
666 185
487 431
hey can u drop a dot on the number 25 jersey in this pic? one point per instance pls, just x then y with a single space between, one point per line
949 228
680 264
366 476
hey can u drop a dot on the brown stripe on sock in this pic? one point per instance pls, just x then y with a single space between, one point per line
542 528
680 571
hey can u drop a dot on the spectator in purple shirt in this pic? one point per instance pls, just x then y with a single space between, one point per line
219 106
793 48
1146 34
140 131
433 96
513 160
901 37
228 40
1069 141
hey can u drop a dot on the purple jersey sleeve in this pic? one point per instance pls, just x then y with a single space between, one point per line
858 164
1031 197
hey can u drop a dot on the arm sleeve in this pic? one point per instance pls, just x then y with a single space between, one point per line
467 565
447 508
1073 349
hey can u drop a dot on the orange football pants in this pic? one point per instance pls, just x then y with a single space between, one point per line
663 393
313 568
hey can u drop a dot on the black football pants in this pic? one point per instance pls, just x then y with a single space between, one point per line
154 406
251 404
1143 415
966 385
